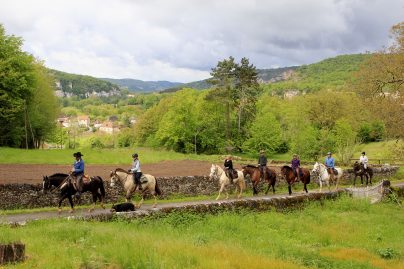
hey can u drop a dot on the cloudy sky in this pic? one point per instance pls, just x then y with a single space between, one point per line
181 40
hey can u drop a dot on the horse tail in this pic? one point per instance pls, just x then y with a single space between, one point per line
102 189
156 188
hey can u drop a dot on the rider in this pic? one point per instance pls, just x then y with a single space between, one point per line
262 164
364 160
135 170
228 167
296 166
330 164
78 172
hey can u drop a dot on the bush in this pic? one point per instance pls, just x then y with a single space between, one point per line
126 139
95 142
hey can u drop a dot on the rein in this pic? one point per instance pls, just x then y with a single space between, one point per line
58 187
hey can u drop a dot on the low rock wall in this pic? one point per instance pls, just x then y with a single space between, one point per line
13 196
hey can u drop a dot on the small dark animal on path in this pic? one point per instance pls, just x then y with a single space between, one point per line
124 207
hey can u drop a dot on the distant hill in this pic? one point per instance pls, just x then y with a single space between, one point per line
264 76
331 73
136 85
83 86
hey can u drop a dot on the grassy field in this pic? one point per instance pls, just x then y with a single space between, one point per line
375 151
344 233
93 156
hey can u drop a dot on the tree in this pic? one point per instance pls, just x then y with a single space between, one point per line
345 140
27 102
237 88
380 83
265 134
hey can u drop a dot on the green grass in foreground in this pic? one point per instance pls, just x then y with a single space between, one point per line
344 233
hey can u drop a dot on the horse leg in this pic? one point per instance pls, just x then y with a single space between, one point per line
220 191
71 203
240 187
94 202
305 187
255 188
290 189
141 201
354 180
101 201
269 186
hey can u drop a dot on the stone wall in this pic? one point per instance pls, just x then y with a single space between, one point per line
13 196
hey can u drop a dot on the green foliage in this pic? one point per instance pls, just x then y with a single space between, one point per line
387 253
27 104
126 138
345 140
371 132
265 134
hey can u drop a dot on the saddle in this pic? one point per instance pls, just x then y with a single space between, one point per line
300 172
87 179
143 179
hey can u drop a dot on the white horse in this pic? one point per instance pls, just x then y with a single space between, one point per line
217 172
149 184
323 177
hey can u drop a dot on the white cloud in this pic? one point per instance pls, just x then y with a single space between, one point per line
180 40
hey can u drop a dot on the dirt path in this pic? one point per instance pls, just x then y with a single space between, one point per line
33 173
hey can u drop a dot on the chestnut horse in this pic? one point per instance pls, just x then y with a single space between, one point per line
255 175
290 177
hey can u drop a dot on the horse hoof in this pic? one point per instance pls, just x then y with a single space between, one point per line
154 206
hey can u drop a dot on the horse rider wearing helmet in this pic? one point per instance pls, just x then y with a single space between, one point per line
135 170
262 164
78 172
330 164
364 161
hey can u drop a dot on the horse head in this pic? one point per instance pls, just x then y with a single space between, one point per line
316 168
45 184
113 177
213 171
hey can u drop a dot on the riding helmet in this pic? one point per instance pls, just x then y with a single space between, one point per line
135 155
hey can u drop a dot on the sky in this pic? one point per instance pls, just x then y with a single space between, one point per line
182 40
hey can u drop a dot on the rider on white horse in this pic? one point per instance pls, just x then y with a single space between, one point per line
228 166
330 164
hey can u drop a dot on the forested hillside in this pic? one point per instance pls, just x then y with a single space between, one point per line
331 73
136 85
82 86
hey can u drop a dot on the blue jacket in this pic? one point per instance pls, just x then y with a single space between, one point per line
79 166
329 162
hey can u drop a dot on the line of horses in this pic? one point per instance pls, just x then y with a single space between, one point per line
149 183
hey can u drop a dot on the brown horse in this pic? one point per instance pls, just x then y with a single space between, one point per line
359 170
255 175
290 177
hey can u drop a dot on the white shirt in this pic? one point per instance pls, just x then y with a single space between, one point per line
363 159
135 166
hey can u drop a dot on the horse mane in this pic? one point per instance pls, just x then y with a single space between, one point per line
250 166
121 170
287 167
59 175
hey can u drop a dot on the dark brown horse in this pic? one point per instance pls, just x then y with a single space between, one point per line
255 175
290 177
359 170
60 181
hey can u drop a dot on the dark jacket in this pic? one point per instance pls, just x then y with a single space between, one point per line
262 160
228 164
